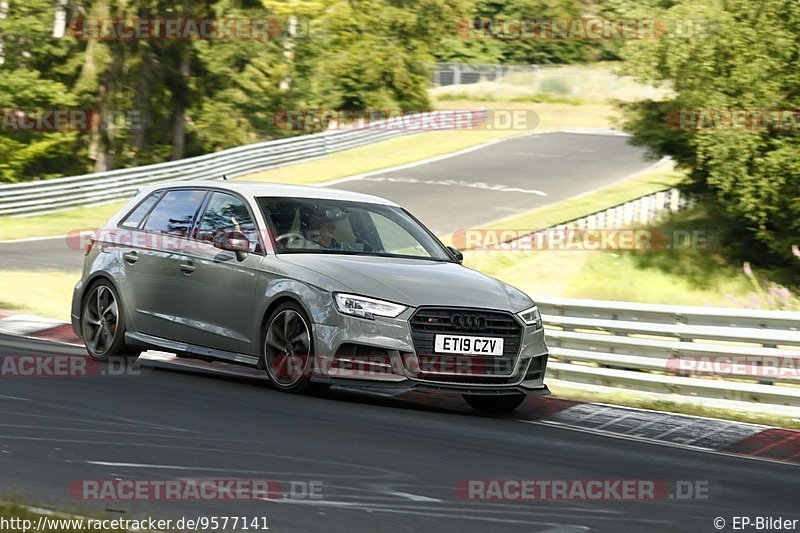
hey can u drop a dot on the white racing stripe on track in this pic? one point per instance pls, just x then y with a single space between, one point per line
494 187
17 398
413 164
470 514
413 497
142 465
26 324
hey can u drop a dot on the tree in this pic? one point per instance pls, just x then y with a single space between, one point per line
746 60
377 53
29 86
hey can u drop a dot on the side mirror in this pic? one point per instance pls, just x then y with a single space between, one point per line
457 254
232 241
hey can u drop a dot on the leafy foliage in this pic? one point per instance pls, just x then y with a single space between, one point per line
746 60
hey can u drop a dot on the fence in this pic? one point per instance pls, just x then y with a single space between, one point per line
594 83
744 355
701 354
32 198
646 209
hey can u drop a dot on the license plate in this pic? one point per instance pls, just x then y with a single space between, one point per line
462 344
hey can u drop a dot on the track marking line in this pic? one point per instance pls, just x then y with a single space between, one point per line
3 396
432 513
490 187
413 497
535 133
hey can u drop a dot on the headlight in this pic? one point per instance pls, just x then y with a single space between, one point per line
364 307
531 317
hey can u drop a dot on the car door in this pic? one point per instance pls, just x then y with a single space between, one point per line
217 288
150 261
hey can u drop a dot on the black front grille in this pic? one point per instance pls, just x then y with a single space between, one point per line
429 321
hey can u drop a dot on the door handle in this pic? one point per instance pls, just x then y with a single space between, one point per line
187 267
131 257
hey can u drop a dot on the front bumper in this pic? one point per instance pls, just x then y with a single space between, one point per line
395 368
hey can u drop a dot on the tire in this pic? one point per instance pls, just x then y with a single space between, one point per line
288 350
103 323
494 404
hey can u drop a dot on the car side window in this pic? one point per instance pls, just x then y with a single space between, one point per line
136 216
175 212
225 213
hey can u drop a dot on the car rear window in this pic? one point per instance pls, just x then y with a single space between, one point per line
175 212
136 216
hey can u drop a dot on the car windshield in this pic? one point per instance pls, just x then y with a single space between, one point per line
313 225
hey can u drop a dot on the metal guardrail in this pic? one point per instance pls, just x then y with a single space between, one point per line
703 352
33 198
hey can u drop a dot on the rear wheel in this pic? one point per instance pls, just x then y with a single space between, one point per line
103 324
289 349
494 404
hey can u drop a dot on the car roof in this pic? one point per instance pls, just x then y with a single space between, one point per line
255 189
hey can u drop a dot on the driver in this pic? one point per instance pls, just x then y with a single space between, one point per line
321 228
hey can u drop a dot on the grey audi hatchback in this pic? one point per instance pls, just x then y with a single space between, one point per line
315 286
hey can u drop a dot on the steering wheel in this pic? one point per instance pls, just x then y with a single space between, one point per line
290 235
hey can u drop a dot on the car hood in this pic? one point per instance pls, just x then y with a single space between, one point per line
414 282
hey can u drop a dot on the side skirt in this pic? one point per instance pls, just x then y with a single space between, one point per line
190 351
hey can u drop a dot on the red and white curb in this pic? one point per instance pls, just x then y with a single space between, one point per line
37 327
706 434
48 329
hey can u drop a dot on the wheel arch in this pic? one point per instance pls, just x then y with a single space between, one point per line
90 282
273 305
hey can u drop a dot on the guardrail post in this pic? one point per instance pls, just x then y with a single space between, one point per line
674 199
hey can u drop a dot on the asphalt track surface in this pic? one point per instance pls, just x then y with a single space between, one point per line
452 193
384 464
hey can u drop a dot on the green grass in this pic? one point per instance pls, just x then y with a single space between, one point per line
628 278
642 400
548 272
584 204
60 223
552 116
38 292
700 276
570 84
542 98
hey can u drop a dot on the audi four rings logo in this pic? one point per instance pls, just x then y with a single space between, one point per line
469 322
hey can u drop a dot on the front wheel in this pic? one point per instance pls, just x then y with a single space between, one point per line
494 404
288 350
